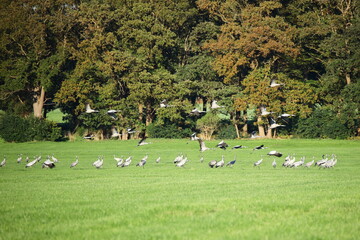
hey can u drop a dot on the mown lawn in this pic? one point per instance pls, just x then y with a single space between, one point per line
161 201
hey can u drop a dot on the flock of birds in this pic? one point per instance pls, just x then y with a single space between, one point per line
327 161
195 112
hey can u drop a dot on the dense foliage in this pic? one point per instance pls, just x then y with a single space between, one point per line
130 55
16 129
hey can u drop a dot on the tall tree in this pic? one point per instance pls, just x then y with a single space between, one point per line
33 39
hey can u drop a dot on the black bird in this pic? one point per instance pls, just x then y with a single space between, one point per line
130 130
142 141
238 147
259 147
223 145
112 113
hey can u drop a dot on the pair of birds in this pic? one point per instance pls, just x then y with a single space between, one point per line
99 162
214 104
325 162
180 160
221 163
258 163
111 112
115 133
46 164
223 145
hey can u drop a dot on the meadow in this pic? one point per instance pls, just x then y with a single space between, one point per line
161 201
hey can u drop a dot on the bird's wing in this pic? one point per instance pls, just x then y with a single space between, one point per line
201 143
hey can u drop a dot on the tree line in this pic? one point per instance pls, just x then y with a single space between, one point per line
129 55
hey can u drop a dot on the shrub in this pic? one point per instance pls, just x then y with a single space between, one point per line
226 131
16 129
323 123
208 124
167 131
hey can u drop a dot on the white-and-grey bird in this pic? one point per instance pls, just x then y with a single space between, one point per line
164 104
3 162
273 124
286 115
196 112
289 161
54 159
48 164
158 160
298 163
19 159
264 112
178 158
27 159
223 145
114 133
73 164
273 83
142 162
215 105
322 161
118 159
89 136
202 159
99 163
220 163
127 162
257 163
202 145
212 163
38 158
32 163
275 153
309 164
89 109
254 135
274 163
182 162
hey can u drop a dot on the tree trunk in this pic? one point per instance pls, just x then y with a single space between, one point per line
38 104
149 115
260 127
124 134
245 129
237 130
141 111
348 78
269 133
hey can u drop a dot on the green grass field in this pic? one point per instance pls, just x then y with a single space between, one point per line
162 201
